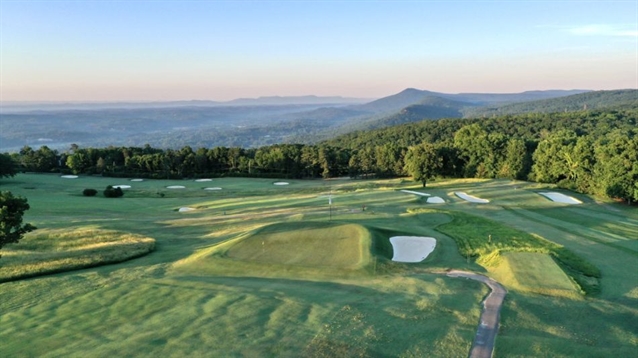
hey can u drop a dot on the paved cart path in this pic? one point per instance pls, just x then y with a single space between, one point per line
483 345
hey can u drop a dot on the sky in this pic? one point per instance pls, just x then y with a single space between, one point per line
138 50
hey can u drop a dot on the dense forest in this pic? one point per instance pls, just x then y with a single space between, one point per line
594 152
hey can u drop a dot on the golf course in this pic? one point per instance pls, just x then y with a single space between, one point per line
248 267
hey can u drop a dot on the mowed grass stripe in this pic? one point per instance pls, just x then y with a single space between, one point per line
533 272
614 226
539 217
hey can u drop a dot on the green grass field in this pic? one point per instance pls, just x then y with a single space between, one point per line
273 271
533 272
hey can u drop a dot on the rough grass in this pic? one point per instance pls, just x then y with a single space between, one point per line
49 251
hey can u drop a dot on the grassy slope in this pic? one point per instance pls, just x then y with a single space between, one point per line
49 251
152 305
306 244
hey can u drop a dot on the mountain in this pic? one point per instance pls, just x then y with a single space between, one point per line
261 121
21 107
429 107
413 96
617 99
502 98
295 100
396 102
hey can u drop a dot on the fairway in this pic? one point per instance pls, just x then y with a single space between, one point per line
267 270
533 272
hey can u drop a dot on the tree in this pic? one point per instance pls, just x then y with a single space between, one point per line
474 146
515 162
7 166
12 209
423 162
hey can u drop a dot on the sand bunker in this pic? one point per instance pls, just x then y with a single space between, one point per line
415 192
412 248
137 179
435 200
281 183
470 198
214 188
175 187
560 198
122 186
69 176
181 210
203 180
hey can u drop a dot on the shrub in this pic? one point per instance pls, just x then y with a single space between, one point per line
89 192
111 192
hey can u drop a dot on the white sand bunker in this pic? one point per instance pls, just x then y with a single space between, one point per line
412 248
213 188
435 200
470 198
122 186
203 180
560 198
137 179
181 210
69 176
280 183
175 187
415 192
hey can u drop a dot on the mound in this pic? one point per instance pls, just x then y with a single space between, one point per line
415 193
311 244
470 198
57 250
560 198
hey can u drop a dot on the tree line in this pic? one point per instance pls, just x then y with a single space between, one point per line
590 152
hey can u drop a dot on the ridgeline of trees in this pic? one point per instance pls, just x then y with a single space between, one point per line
591 152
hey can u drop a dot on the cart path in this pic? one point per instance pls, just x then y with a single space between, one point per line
483 345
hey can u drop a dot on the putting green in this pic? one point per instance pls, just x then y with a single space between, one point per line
312 244
533 272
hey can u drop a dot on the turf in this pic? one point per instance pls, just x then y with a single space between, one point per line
189 298
314 244
533 272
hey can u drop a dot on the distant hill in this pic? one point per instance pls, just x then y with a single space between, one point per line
502 98
292 100
21 107
261 121
412 96
430 107
396 102
617 99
